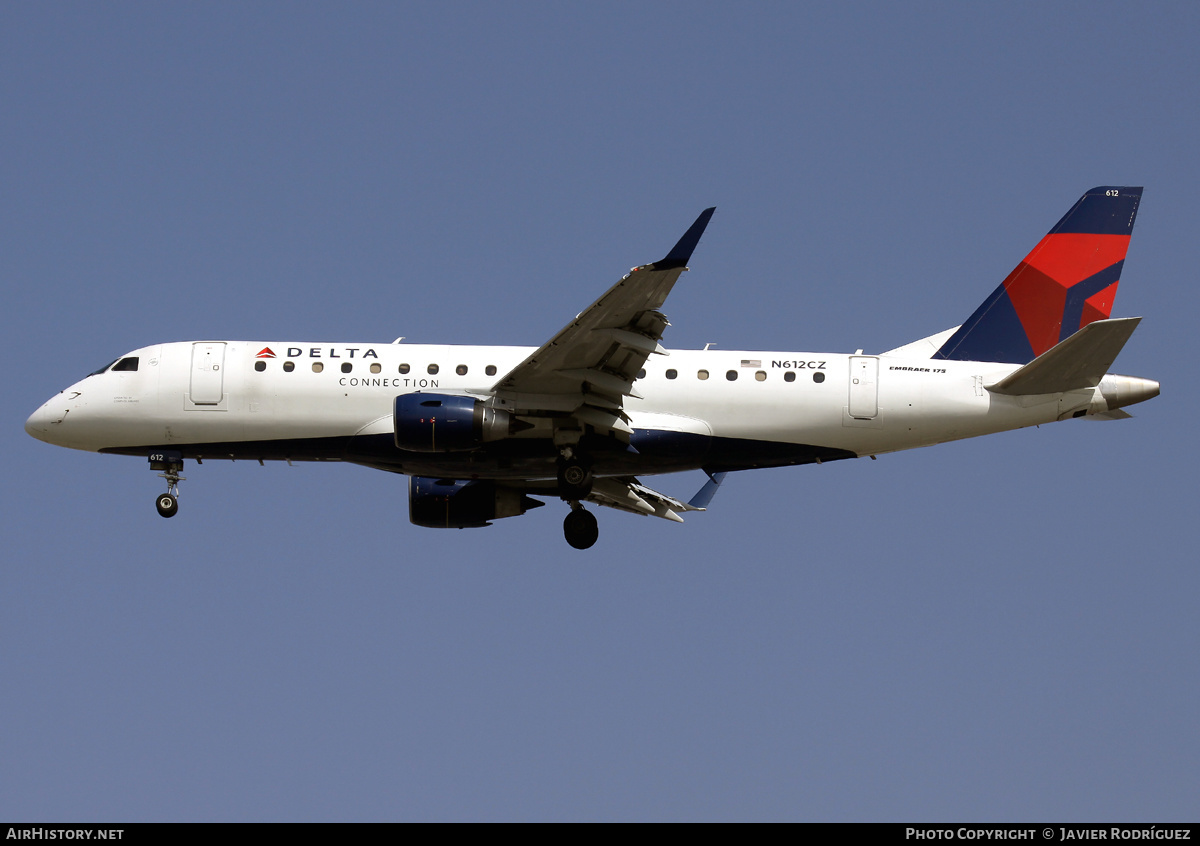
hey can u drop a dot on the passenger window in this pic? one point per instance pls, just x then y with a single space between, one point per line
126 365
404 368
790 376
318 367
289 366
818 377
347 367
376 367
461 370
432 369
731 375
671 374
260 366
490 370
760 375
701 375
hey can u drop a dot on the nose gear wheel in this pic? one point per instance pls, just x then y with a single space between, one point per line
167 505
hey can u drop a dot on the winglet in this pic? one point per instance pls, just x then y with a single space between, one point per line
682 251
704 496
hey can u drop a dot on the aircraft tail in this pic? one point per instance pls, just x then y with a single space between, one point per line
1067 281
1080 361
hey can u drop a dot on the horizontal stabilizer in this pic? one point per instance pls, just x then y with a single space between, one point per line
1078 362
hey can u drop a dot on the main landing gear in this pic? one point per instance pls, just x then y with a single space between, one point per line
580 527
170 463
574 485
574 479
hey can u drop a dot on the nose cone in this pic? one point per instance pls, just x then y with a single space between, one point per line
38 423
46 424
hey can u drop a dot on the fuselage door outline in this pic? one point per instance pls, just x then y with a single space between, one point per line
864 387
208 373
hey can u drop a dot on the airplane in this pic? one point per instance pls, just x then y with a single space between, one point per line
482 430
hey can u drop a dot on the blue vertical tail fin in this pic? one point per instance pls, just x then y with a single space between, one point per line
1066 282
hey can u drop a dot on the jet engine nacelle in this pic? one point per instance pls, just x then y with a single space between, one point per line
447 423
454 504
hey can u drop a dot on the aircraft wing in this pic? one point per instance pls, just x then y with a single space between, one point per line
589 367
625 493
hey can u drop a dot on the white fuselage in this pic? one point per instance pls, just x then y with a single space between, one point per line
219 400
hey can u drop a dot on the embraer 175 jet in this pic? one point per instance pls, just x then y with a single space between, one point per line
480 431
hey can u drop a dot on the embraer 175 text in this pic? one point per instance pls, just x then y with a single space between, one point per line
480 431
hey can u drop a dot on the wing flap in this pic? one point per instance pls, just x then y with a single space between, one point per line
603 418
628 494
612 383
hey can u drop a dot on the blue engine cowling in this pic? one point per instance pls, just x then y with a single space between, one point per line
455 504
446 423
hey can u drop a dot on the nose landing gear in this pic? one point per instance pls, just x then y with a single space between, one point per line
170 462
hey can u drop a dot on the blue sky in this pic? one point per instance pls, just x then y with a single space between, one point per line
999 629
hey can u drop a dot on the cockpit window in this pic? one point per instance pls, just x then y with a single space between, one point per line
102 369
126 364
